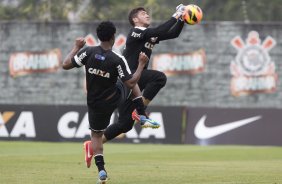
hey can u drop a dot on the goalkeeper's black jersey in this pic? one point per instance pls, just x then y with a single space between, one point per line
142 39
103 68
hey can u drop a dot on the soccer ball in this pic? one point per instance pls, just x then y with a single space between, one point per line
193 14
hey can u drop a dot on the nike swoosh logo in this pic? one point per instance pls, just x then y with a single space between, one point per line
201 131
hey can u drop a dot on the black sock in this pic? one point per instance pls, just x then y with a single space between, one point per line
99 161
139 105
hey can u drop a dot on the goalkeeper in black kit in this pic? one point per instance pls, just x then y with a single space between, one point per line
141 38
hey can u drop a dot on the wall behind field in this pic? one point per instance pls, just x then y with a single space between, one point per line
209 88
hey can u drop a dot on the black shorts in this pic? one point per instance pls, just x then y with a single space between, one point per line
100 115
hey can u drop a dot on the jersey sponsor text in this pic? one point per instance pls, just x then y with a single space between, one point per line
99 72
149 45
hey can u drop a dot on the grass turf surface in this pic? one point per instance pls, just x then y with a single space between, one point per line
63 163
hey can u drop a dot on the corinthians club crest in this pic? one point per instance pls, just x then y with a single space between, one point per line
252 69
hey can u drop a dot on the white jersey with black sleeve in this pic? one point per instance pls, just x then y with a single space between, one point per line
103 68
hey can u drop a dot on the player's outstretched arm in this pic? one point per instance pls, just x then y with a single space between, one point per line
161 29
143 59
79 43
164 28
174 32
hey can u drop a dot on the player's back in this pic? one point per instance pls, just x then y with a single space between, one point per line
101 73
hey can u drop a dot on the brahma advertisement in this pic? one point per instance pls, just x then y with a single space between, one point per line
253 70
180 63
24 63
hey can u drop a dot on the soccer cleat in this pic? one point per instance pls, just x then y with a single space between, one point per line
148 123
144 121
88 151
102 177
135 116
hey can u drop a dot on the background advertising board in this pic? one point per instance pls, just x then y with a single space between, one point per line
206 126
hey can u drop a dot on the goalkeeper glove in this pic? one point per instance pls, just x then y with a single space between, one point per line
180 8
179 12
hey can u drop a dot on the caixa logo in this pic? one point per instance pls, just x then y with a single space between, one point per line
71 125
23 125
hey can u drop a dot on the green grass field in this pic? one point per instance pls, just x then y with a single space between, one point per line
63 163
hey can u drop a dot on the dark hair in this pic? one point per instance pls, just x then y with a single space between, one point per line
105 31
133 13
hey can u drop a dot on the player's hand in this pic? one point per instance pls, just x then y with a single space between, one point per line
180 11
79 42
143 58
180 8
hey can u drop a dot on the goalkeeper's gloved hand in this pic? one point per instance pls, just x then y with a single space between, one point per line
180 9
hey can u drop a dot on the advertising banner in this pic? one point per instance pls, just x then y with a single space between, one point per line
70 123
202 126
24 63
207 126
180 63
